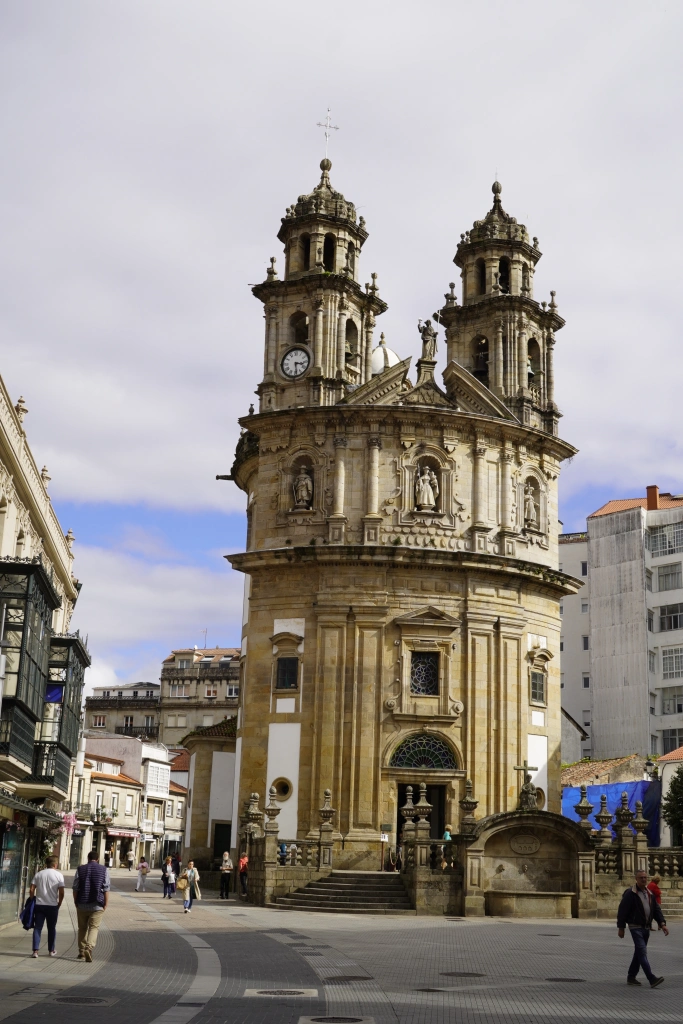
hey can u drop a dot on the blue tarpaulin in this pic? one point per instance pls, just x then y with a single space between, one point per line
649 792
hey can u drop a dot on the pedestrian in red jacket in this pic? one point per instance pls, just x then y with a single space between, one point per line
653 886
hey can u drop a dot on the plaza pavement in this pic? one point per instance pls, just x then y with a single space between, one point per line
155 965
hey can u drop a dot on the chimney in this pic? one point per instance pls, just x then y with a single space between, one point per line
652 497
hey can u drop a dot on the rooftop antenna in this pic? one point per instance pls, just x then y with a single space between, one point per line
204 631
329 127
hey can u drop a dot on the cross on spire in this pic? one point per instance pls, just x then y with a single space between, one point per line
329 127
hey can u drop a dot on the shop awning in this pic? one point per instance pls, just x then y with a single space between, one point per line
123 833
19 804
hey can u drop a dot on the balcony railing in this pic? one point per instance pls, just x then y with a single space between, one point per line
158 828
51 766
84 810
230 670
672 705
121 702
146 824
150 732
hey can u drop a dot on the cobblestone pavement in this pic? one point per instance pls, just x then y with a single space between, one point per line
155 965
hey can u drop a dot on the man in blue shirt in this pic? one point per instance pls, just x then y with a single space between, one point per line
91 895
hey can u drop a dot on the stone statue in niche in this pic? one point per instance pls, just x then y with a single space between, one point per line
530 516
428 335
425 484
303 489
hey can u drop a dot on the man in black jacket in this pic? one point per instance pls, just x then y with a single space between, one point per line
637 909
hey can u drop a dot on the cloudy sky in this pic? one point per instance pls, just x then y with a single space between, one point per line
150 148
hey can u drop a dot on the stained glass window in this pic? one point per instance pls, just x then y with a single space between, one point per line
424 673
423 751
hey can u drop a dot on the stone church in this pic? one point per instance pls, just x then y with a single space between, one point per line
401 620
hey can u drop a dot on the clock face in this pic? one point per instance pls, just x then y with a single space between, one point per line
296 362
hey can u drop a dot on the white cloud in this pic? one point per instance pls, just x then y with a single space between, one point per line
136 610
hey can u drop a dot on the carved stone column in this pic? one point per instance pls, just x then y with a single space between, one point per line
549 369
522 356
271 342
480 485
506 524
341 337
338 521
369 328
372 520
498 363
318 344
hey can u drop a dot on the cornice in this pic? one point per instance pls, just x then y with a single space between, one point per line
269 291
392 557
491 306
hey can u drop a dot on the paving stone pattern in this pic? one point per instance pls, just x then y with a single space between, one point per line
151 968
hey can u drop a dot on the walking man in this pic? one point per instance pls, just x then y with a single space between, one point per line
48 889
226 872
91 895
130 857
637 909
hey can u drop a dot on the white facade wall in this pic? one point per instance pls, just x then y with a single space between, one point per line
574 658
221 795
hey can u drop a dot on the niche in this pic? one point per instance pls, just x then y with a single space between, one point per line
305 246
427 485
525 279
532 504
302 487
533 362
329 250
480 360
480 277
298 325
504 275
351 259
351 347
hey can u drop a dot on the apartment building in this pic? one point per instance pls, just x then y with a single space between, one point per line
131 709
575 678
635 555
199 688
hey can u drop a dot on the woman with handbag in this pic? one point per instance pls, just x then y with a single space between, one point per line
168 877
188 883
143 868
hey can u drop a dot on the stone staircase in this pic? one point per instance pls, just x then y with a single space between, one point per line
672 903
351 892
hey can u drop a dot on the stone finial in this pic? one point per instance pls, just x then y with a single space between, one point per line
373 289
408 813
69 538
21 409
543 305
271 811
584 809
553 304
253 815
251 409
604 819
624 818
469 806
639 823
272 272
423 810
45 477
450 297
327 812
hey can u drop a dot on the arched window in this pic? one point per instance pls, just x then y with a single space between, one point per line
298 324
351 347
329 252
305 242
480 360
480 271
504 275
533 362
423 751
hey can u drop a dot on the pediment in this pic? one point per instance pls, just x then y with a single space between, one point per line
470 395
429 616
384 389
430 394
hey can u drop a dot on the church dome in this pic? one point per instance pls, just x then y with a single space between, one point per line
383 357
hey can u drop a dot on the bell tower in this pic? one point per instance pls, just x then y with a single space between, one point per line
319 320
500 333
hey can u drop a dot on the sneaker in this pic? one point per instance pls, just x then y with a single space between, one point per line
53 952
186 910
657 981
80 957
632 981
34 954
87 956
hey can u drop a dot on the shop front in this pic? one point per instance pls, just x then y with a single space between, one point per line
119 842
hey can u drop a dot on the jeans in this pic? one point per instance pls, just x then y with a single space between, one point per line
42 915
187 902
89 922
243 880
225 885
169 887
640 937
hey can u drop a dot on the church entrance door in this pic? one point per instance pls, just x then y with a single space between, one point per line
436 796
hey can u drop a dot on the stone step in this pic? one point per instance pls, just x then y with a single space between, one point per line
324 897
351 892
284 903
365 890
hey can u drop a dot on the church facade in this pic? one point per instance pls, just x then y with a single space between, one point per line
401 620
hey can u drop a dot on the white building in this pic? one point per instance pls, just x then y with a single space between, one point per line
575 648
635 555
668 766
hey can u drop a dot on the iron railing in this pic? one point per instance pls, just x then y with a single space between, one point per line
150 732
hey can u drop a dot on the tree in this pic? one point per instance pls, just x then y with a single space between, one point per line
672 805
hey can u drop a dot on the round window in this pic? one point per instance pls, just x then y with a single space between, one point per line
283 789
